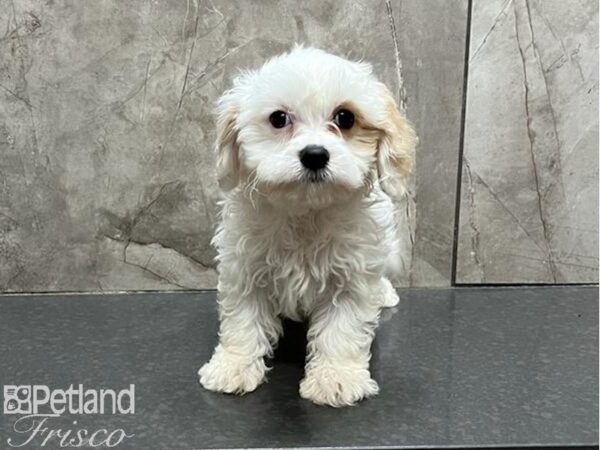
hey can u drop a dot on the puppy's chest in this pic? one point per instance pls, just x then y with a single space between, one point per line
306 266
300 274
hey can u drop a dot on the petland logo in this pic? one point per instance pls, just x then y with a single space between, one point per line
38 406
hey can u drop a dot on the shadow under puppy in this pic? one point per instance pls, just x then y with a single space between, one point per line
310 150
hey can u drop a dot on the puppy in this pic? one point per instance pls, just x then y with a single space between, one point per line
310 150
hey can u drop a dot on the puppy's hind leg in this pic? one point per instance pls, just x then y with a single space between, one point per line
248 330
389 296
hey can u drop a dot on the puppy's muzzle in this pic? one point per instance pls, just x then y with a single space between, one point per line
314 157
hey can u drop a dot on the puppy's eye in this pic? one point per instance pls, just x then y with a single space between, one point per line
279 119
344 119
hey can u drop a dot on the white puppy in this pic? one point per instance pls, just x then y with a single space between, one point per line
310 148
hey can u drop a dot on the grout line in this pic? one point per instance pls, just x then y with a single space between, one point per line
461 286
108 292
461 145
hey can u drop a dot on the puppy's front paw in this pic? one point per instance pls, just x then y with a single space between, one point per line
232 374
337 386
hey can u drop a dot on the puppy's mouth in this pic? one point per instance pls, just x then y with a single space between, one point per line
315 177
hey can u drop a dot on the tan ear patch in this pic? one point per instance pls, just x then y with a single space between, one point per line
403 139
396 149
228 162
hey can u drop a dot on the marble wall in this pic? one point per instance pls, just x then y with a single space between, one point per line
106 132
529 198
106 169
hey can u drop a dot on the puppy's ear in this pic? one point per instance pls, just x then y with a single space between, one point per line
396 148
227 148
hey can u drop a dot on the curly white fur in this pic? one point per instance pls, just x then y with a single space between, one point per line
293 248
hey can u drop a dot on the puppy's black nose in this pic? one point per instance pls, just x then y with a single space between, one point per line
314 157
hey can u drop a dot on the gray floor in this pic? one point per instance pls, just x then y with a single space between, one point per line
461 367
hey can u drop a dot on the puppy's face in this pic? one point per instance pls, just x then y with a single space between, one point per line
309 129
